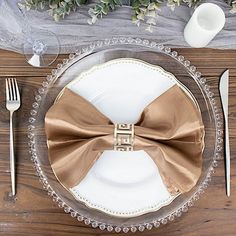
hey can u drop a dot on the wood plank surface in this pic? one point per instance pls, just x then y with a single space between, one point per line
34 213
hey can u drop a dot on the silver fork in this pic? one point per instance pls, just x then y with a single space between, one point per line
12 104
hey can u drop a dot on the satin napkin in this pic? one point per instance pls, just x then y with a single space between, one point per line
170 130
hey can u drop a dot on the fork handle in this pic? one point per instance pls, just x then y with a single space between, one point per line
12 157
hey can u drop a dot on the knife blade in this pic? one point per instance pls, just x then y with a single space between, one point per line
224 94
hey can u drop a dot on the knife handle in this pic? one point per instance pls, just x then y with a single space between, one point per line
227 156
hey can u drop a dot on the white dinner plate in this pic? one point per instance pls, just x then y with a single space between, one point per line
123 184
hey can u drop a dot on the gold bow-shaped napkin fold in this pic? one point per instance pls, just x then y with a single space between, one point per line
170 130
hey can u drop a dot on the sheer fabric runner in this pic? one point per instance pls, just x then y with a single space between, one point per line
74 30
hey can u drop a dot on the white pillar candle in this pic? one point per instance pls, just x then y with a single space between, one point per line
207 21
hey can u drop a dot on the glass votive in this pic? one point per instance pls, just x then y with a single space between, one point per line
206 22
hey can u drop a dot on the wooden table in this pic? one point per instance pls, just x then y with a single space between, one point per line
34 213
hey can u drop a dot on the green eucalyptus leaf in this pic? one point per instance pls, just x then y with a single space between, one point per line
143 9
145 2
56 17
118 2
140 16
105 1
134 18
105 10
53 6
62 4
135 4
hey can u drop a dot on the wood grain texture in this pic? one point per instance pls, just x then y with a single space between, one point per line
34 213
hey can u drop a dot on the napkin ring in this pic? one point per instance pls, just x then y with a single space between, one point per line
123 137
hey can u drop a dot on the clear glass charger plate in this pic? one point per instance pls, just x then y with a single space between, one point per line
100 52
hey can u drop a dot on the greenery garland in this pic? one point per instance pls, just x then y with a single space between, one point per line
144 10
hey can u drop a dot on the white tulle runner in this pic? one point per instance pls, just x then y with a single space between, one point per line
74 31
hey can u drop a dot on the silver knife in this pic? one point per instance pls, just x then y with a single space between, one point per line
224 94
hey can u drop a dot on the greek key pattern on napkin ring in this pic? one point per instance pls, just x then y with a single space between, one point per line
123 137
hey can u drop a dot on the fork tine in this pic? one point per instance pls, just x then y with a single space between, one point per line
13 88
10 89
7 90
17 90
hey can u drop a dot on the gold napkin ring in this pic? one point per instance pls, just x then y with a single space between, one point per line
123 137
